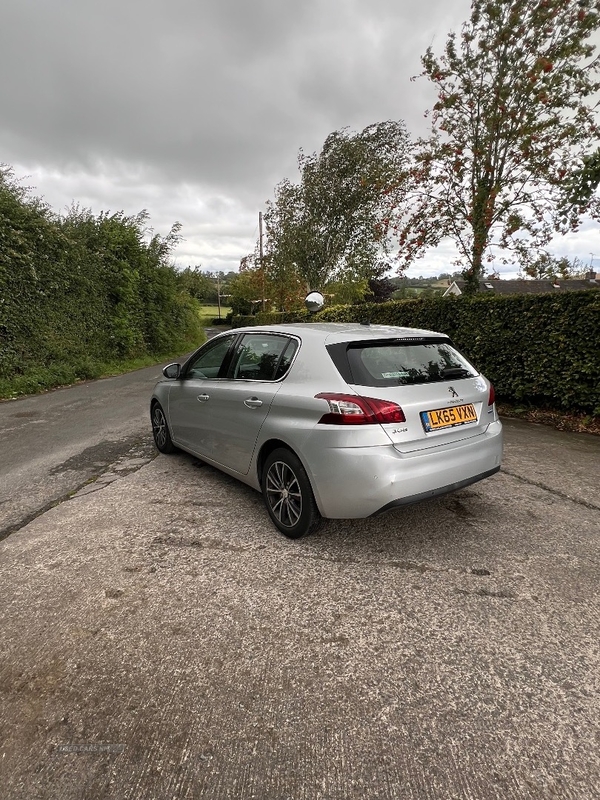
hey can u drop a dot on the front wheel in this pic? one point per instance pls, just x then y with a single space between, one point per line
288 495
160 430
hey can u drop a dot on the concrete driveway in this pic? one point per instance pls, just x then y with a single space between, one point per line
161 640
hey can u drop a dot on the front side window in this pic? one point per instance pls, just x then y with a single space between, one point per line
210 360
263 357
404 363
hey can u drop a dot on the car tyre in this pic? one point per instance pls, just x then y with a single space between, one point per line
160 430
288 495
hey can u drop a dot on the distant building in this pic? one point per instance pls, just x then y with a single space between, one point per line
521 286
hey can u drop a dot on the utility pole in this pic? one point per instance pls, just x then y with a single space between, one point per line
260 252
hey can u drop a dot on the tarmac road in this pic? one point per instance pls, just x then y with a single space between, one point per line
52 444
160 640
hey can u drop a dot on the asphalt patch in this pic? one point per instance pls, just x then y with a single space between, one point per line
104 454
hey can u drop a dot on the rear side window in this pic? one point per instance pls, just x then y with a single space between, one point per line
400 363
263 357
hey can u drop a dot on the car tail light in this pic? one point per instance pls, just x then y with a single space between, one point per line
492 396
351 409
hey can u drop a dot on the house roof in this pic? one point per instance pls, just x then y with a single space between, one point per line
521 286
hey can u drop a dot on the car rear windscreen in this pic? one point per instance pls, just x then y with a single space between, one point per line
400 363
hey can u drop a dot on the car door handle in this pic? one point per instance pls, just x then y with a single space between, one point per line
253 402
202 397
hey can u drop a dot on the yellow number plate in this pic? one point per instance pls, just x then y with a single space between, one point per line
448 417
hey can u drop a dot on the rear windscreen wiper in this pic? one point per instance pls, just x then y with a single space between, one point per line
456 372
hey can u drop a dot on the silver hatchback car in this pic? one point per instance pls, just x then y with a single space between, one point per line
332 420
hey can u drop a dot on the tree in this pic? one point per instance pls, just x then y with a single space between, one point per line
246 290
333 225
380 289
283 285
548 267
580 188
513 117
196 283
280 288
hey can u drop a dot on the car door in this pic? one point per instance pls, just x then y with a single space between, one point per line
239 405
189 397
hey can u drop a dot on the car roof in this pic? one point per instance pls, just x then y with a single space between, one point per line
333 332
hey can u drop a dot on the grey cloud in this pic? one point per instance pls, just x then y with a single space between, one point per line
195 109
213 90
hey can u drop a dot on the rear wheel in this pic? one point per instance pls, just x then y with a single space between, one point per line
160 430
288 495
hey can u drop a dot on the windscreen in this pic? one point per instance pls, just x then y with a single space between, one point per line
405 363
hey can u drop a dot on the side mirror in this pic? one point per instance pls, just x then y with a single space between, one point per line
314 301
172 371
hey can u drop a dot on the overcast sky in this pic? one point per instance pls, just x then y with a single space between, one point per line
195 109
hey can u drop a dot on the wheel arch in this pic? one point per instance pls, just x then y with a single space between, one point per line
154 401
274 444
266 450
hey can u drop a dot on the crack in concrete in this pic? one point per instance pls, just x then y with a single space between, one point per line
16 526
95 482
394 563
213 543
557 492
500 594
207 543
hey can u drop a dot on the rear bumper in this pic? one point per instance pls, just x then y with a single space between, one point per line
356 482
452 487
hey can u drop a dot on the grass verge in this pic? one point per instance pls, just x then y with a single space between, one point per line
38 379
208 313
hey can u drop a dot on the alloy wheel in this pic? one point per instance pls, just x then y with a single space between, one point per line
159 427
284 494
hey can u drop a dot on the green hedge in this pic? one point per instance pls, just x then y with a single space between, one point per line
80 291
541 349
270 318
